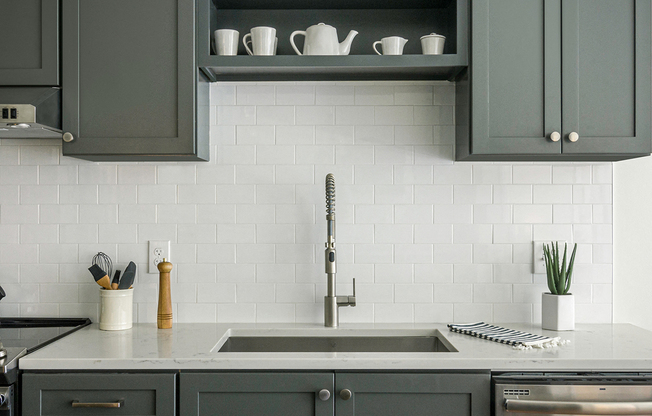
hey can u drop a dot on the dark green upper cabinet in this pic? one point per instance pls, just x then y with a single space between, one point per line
542 70
131 88
29 42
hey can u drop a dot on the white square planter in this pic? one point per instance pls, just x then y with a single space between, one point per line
558 312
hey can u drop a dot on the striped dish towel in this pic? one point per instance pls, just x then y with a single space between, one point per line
518 339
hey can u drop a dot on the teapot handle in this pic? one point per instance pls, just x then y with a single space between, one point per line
296 32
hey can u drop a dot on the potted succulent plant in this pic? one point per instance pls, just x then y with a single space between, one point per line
558 306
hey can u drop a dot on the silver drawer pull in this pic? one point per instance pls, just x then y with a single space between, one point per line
77 403
578 408
555 136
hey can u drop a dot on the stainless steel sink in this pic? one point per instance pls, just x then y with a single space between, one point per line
378 341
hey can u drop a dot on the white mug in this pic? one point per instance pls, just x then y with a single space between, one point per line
392 45
263 41
226 41
433 44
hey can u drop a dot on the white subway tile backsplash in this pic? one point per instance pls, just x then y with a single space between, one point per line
427 239
492 174
274 115
376 135
413 95
357 115
533 214
318 115
334 94
532 174
571 174
295 94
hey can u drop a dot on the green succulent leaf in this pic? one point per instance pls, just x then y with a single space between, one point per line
558 273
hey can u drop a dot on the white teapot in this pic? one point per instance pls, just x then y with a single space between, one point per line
321 39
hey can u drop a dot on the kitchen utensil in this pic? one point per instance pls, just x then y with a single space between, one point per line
263 41
392 45
116 309
164 315
128 277
105 263
100 276
433 44
226 41
321 39
116 280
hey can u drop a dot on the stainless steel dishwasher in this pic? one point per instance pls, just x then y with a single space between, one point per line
572 394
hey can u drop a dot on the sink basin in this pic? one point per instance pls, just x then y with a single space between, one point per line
352 341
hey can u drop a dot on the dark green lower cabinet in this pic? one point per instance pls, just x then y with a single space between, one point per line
349 394
98 394
269 394
380 394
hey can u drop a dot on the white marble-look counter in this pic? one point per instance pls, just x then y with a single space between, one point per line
193 346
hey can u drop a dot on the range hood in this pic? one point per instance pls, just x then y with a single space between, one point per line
30 113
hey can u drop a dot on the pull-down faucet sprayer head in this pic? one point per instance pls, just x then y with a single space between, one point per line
330 194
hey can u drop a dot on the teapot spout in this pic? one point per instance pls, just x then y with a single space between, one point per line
345 46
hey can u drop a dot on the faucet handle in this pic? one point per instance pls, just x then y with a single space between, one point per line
352 298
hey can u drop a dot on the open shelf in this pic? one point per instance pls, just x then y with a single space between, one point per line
373 20
332 68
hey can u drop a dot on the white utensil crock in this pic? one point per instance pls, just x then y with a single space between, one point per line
116 309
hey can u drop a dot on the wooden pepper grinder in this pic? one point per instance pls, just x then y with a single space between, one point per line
164 316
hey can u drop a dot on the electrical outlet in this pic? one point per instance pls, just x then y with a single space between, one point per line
537 254
158 250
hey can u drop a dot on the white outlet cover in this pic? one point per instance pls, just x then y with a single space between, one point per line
158 250
539 264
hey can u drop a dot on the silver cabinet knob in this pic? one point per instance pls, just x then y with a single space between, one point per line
573 137
346 394
555 136
68 137
324 394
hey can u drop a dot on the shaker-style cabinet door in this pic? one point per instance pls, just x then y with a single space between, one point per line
515 76
131 89
416 394
99 394
606 76
29 42
269 394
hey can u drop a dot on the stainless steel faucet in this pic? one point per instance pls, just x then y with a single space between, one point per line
332 302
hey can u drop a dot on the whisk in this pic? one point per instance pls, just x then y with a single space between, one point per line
103 261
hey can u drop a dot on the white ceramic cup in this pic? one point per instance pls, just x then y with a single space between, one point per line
433 44
263 41
116 309
391 45
226 41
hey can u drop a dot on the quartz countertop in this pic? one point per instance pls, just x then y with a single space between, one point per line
600 347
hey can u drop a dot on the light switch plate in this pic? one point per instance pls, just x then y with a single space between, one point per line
158 250
539 264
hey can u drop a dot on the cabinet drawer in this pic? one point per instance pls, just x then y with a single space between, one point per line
99 394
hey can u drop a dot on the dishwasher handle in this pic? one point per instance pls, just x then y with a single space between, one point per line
578 408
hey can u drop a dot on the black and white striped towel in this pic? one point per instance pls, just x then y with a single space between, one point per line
518 339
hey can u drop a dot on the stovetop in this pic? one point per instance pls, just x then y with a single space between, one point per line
21 336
